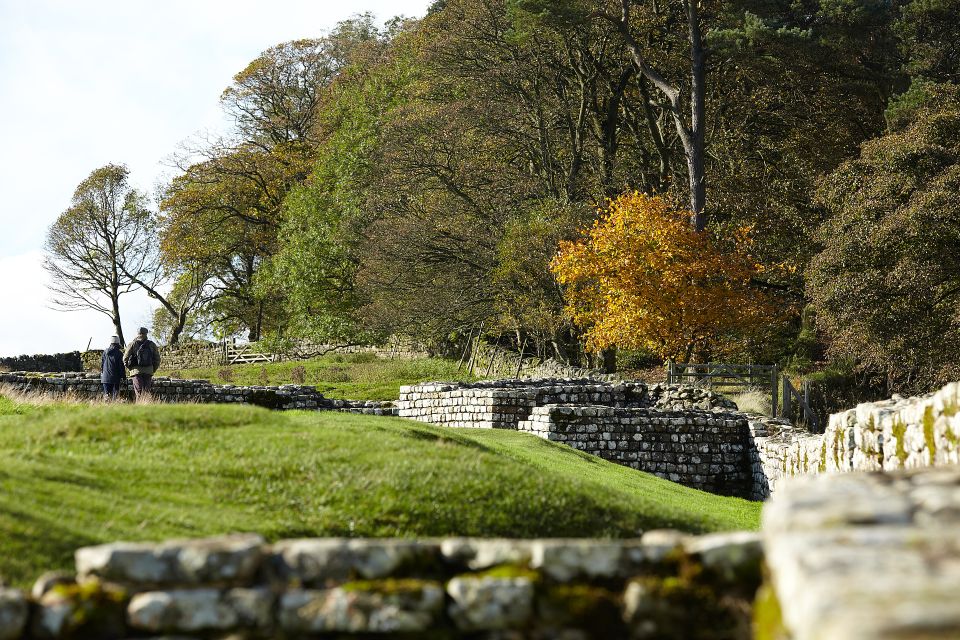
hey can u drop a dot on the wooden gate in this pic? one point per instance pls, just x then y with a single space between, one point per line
785 400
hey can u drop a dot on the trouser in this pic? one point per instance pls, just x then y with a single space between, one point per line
142 383
110 390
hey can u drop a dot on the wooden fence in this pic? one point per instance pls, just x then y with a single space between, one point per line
785 400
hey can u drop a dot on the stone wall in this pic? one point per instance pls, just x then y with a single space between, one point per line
861 556
44 363
503 404
900 433
663 585
854 557
284 397
201 354
701 449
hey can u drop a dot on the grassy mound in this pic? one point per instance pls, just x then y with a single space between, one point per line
80 475
359 376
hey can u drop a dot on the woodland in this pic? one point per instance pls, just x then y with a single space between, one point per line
607 183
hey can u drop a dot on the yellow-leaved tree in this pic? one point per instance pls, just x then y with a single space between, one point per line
643 278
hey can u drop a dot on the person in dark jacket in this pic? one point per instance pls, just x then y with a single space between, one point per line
112 371
143 359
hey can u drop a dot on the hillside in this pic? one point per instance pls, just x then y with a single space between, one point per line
358 376
79 475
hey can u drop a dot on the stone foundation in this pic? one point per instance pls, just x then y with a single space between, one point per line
900 433
284 397
503 404
663 585
855 556
700 449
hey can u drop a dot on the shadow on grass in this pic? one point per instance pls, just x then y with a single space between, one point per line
457 439
22 559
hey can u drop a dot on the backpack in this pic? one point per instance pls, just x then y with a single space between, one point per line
142 356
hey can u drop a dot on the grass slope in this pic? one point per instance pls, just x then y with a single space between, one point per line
352 376
79 475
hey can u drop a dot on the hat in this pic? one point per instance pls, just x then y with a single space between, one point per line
142 331
114 340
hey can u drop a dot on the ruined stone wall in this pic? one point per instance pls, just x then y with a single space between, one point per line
284 397
663 585
44 362
700 449
900 433
502 404
857 557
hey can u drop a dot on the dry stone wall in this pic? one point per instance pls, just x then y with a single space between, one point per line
504 404
856 556
284 397
662 585
900 433
44 363
701 449
861 556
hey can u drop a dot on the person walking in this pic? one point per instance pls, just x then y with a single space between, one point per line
142 359
112 371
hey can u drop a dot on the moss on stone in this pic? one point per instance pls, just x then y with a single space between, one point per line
838 448
505 572
97 609
899 430
389 587
767 616
822 468
928 433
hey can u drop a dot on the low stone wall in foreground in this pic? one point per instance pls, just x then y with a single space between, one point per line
854 557
663 585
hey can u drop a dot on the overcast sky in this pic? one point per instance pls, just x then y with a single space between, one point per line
124 81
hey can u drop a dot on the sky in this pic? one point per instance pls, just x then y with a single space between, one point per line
83 84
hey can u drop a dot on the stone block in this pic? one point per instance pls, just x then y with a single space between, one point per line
390 607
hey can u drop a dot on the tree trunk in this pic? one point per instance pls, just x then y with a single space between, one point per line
115 300
696 151
609 360
692 137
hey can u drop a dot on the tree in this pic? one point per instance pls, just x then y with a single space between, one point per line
99 248
643 278
886 285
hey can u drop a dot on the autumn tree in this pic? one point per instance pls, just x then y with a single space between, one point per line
643 278
102 245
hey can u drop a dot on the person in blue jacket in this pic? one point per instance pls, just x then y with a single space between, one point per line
112 371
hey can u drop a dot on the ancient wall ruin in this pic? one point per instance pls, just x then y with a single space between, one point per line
700 449
44 362
900 433
853 556
284 397
448 588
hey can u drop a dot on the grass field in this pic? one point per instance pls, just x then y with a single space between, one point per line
79 475
352 376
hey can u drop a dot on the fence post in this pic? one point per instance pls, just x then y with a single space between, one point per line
787 399
670 371
774 384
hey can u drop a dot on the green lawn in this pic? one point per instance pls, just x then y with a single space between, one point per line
79 475
351 376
